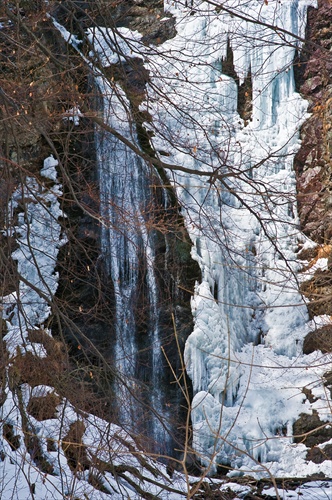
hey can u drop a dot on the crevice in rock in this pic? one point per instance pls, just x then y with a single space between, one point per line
244 94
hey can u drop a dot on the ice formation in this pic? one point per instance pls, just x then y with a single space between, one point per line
39 237
237 191
244 355
128 250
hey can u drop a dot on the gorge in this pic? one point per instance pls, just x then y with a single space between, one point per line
184 186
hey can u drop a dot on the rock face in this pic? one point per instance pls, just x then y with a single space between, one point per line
313 165
313 162
320 339
310 430
318 455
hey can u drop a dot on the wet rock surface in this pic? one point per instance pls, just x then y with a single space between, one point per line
313 165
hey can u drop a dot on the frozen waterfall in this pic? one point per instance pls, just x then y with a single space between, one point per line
244 354
237 189
128 251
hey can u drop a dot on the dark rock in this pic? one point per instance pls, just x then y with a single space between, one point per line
320 339
74 449
309 395
44 407
314 80
318 455
307 253
244 100
328 381
310 430
33 370
319 290
147 17
14 440
312 84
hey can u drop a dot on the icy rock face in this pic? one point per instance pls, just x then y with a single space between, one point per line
244 355
313 160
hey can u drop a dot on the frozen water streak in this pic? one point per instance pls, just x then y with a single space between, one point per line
127 248
240 211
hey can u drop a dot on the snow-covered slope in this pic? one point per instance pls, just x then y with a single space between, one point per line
51 449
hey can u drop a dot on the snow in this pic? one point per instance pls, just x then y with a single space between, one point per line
114 45
260 426
313 490
67 36
39 237
48 169
73 115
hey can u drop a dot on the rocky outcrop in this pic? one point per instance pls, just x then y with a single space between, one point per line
146 16
318 455
313 165
313 162
320 339
310 430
